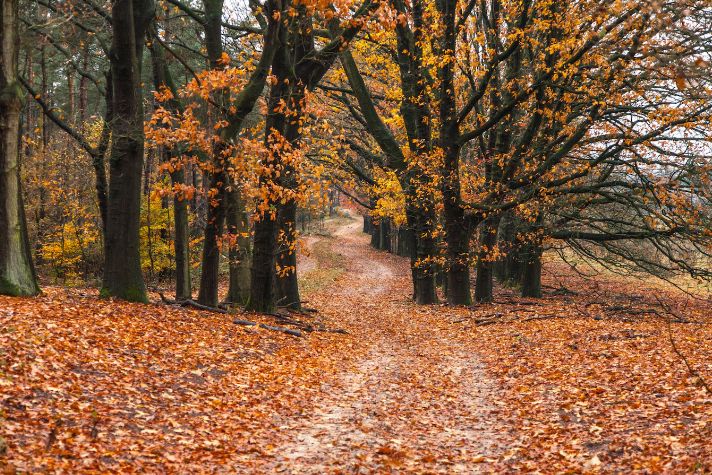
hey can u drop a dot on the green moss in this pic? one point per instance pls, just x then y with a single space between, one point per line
135 295
10 288
130 294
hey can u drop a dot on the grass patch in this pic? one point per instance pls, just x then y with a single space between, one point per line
329 267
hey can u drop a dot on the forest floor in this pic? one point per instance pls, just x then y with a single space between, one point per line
602 376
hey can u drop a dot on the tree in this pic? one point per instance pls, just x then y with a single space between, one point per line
298 66
226 194
163 79
123 277
17 274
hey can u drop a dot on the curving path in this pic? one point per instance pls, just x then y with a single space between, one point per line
415 400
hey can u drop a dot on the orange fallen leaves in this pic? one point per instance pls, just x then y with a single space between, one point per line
91 385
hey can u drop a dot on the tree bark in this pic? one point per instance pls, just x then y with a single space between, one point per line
219 179
367 224
485 266
457 232
422 264
405 239
210 269
531 271
240 252
385 238
181 241
297 66
17 274
531 263
84 84
264 252
122 259
509 269
287 283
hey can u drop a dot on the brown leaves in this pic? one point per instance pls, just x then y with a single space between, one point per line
599 387
90 385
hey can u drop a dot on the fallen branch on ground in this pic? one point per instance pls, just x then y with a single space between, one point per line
677 351
286 330
189 303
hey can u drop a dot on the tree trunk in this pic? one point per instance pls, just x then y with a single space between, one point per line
457 232
162 78
219 179
17 275
84 84
384 241
367 224
457 238
264 252
531 270
122 259
424 268
238 225
485 266
287 283
71 105
100 181
181 241
375 234
405 240
210 269
262 272
509 269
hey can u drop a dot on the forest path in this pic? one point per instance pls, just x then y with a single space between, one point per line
416 399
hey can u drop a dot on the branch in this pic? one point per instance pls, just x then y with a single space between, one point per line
49 112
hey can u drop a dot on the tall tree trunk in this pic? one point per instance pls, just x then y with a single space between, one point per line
426 250
84 84
264 251
17 275
531 272
531 263
210 269
240 252
71 106
457 232
405 239
485 266
509 269
262 272
122 259
367 224
376 234
219 179
287 283
100 181
181 241
297 66
385 238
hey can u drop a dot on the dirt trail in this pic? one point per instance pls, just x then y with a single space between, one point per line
417 400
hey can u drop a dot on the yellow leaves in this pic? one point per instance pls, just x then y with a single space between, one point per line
390 200
224 59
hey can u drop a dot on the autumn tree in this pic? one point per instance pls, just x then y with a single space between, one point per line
17 274
298 66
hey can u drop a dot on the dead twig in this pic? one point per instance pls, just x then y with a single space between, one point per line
677 351
288 331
